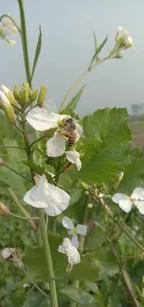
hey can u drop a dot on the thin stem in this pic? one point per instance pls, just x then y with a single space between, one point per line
107 209
30 108
12 20
14 171
35 285
24 218
38 140
24 42
18 128
124 275
78 81
22 209
11 147
54 302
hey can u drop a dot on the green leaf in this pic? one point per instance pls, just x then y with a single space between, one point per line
95 238
77 295
35 299
37 168
37 52
73 103
95 41
97 50
106 145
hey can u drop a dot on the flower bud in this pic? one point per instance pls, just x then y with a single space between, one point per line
7 108
16 93
129 42
26 85
90 206
118 181
9 95
34 95
24 97
85 185
4 209
119 54
42 96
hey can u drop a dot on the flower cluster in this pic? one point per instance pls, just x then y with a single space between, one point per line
123 41
125 202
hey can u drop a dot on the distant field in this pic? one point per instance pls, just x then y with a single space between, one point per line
137 125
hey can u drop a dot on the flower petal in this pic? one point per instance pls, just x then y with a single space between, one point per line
56 145
125 204
4 89
74 157
50 106
36 196
6 252
75 241
119 196
73 255
138 194
58 200
41 120
79 131
140 206
81 229
61 249
67 223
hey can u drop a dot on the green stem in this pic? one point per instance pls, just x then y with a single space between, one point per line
124 276
38 140
24 42
12 20
11 147
78 81
14 171
54 302
24 218
107 209
22 209
35 285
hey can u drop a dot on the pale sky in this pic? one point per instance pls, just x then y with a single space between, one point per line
68 47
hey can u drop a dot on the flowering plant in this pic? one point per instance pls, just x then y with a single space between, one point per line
58 170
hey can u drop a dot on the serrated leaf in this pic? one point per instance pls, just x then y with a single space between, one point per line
37 53
74 102
77 295
106 145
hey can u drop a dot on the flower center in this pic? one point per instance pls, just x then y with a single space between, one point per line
74 232
132 199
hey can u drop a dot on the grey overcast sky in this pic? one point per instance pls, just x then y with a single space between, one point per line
68 46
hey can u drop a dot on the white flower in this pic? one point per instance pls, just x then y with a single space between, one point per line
80 229
74 157
4 89
4 100
70 250
43 119
7 252
45 195
125 202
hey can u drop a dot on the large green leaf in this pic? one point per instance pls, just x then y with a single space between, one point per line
95 237
106 145
77 295
74 102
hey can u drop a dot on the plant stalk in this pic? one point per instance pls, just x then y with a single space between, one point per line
54 301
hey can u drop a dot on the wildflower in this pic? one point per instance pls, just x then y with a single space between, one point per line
41 119
45 195
70 250
80 229
125 202
74 157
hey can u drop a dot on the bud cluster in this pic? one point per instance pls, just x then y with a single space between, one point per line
14 103
123 41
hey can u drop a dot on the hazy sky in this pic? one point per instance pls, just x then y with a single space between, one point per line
68 47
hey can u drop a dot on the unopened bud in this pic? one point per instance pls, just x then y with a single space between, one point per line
118 181
90 206
24 97
7 108
42 96
26 85
85 185
4 209
4 89
119 54
87 192
129 42
16 93
7 252
34 95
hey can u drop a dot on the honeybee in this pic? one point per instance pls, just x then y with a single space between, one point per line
69 130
